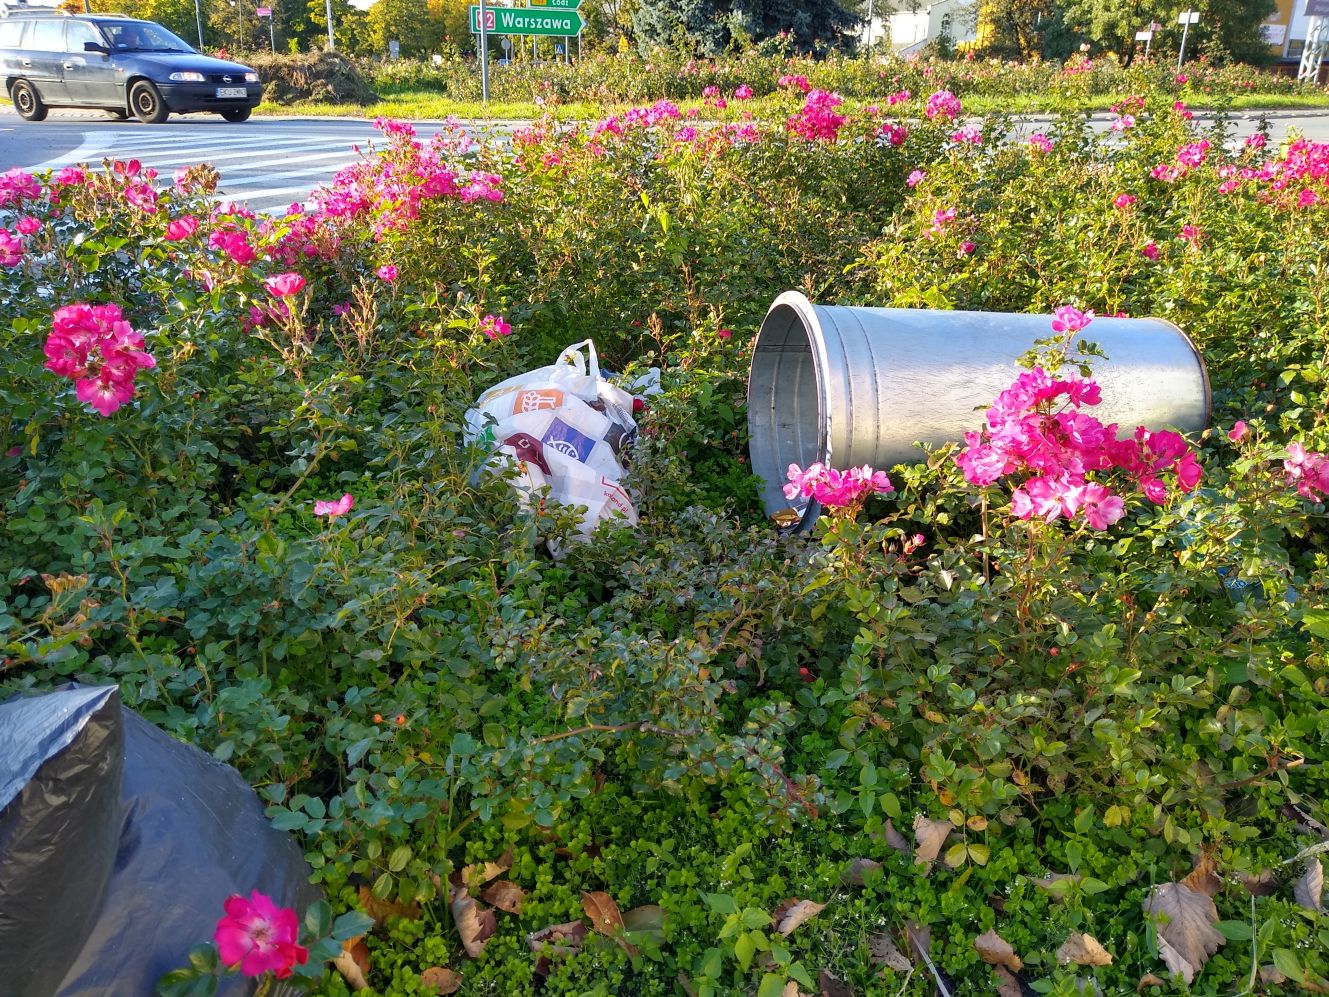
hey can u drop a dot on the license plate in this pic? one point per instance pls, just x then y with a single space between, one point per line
232 92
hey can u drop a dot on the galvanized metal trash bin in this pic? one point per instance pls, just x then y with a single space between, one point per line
852 386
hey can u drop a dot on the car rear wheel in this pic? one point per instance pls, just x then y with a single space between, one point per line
27 101
236 114
146 103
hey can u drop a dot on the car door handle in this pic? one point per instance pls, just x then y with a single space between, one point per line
69 65
25 63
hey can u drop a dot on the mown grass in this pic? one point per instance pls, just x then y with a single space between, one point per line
420 105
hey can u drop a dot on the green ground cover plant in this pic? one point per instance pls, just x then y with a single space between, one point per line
698 756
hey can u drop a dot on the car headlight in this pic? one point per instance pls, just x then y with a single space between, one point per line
251 77
187 78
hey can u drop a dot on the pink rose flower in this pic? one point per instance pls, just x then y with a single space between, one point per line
334 507
283 285
387 272
181 228
1151 251
259 937
1237 432
494 327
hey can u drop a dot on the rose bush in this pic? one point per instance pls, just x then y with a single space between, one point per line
1073 662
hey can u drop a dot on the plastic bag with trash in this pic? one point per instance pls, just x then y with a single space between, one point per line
564 427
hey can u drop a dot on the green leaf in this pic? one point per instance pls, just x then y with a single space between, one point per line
1234 931
399 857
956 855
204 958
1287 963
745 947
1084 820
350 924
890 805
980 853
772 985
721 903
1317 622
318 919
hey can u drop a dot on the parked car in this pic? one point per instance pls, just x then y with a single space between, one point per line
121 64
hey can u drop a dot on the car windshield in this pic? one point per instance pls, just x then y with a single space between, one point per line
142 36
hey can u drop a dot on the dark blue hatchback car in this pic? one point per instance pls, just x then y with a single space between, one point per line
123 65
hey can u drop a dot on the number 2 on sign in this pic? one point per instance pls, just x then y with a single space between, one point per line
489 20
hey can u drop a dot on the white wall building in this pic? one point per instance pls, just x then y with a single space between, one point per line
916 25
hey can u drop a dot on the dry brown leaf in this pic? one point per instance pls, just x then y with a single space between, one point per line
1271 975
505 895
381 910
1203 878
603 912
440 980
1186 933
996 951
1310 886
1008 986
353 962
930 835
793 912
475 876
857 871
555 941
791 990
894 838
832 986
1149 980
885 952
475 924
1083 950
1261 885
919 937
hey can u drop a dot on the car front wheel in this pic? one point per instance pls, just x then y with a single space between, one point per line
27 101
147 104
236 114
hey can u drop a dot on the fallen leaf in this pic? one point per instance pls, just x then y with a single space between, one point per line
832 986
440 980
606 919
475 876
930 835
1203 878
505 895
884 952
1149 980
858 870
919 936
353 962
475 924
1261 885
1310 886
647 919
603 912
996 951
1083 950
381 910
793 912
1186 933
894 838
555 941
1008 986
1271 975
685 982
791 990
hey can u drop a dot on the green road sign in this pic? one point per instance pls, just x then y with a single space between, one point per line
525 21
554 4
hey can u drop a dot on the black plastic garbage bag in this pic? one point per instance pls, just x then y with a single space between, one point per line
118 846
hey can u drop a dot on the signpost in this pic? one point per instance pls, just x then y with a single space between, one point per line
272 34
1317 41
1186 18
525 21
1146 36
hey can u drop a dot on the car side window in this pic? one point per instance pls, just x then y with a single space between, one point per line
10 33
47 36
80 32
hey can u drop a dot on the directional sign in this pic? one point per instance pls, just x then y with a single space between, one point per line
264 12
1143 36
555 4
1317 8
518 21
1188 17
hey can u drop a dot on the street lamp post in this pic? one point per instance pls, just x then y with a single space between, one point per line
332 43
198 19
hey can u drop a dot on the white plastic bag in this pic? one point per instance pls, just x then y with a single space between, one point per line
562 426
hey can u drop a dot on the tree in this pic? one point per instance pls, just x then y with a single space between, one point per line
412 24
1228 29
350 27
708 27
1012 29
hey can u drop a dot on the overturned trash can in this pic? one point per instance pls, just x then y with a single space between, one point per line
850 386
118 847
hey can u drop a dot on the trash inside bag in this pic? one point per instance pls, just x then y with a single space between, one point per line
118 847
564 427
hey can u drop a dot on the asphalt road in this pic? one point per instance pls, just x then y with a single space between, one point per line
270 163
